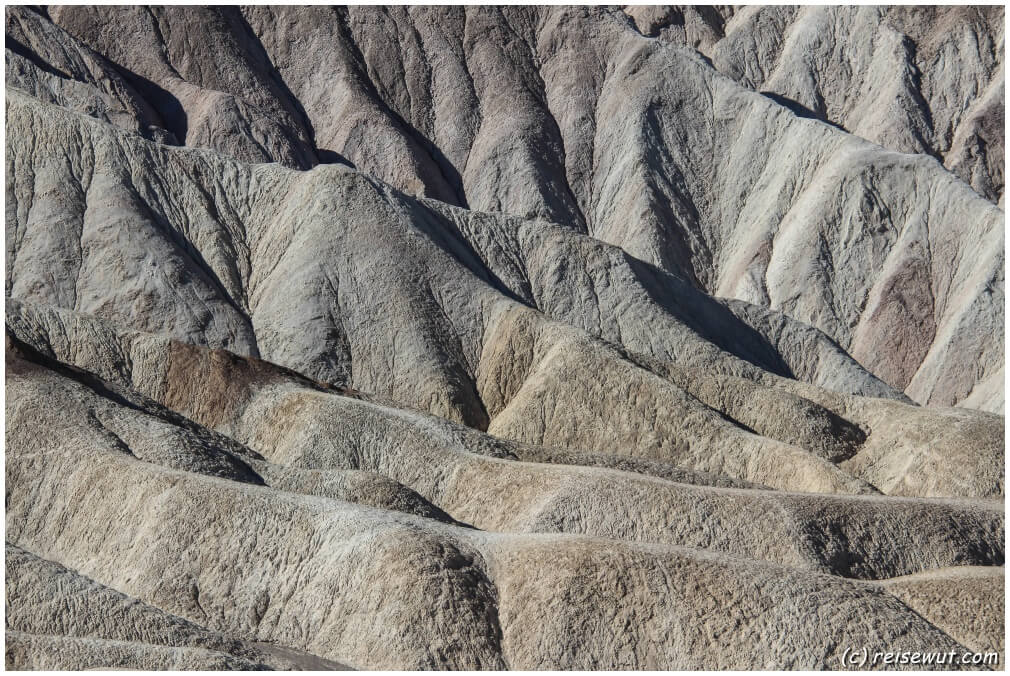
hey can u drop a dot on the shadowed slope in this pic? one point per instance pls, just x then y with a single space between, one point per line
181 535
656 152
518 337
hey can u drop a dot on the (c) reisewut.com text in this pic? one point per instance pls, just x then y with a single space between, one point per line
863 657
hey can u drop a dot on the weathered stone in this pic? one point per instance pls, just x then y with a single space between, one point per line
519 337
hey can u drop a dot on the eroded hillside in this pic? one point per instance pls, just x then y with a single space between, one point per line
401 338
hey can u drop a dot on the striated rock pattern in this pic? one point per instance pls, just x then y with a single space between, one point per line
502 338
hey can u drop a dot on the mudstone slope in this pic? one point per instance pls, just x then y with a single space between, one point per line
401 338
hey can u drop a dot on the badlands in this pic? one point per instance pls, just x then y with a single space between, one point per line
503 338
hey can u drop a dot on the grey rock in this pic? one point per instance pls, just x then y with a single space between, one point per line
56 617
317 566
502 337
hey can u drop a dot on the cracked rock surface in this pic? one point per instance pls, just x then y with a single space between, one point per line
488 338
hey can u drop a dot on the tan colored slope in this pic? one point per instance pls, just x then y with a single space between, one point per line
659 420
329 577
967 603
578 354
56 618
295 425
710 423
73 403
899 449
56 653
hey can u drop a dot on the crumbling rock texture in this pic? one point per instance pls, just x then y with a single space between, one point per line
521 337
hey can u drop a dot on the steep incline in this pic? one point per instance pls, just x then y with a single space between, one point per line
299 272
654 152
913 79
183 512
523 337
232 266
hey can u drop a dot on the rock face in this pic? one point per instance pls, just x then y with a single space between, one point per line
533 338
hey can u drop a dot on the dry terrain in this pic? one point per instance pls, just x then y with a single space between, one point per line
503 338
